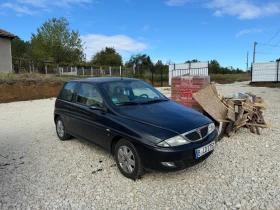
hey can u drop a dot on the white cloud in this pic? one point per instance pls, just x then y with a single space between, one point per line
243 9
18 9
248 31
122 44
31 7
176 2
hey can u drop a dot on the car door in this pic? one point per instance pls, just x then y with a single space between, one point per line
64 103
87 123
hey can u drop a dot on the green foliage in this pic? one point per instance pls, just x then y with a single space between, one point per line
277 59
142 63
159 67
55 42
19 47
192 61
215 68
107 57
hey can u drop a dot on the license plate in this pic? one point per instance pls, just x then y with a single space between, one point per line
205 149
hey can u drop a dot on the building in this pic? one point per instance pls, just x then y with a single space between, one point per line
5 51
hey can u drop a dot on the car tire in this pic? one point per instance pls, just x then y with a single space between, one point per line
60 130
128 160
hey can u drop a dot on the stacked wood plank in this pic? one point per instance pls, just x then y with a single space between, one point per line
183 88
233 112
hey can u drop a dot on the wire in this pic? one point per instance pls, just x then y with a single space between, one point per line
269 49
260 44
273 36
268 53
273 47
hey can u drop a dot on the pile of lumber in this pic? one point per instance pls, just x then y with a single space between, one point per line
234 111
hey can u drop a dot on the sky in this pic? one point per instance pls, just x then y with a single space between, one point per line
169 30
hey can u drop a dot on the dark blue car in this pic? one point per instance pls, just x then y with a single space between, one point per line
136 123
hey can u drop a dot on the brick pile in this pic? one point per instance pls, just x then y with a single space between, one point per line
183 88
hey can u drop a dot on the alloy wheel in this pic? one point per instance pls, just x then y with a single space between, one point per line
126 159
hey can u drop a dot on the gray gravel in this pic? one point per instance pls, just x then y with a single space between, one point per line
37 171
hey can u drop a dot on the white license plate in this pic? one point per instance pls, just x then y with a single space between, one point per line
205 149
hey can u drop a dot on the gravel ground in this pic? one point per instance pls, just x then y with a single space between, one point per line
37 171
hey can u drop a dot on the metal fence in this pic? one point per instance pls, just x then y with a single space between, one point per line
265 72
91 71
197 68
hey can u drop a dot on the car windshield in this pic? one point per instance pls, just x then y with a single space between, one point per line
131 93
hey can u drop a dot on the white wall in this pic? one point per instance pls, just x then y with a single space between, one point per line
5 55
265 72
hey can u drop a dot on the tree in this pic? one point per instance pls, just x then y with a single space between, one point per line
214 67
159 67
55 42
277 59
192 61
142 63
19 47
107 57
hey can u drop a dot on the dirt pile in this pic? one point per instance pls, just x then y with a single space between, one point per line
28 91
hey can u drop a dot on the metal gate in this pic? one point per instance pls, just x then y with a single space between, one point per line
198 68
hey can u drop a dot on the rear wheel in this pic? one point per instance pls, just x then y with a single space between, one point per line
128 160
60 130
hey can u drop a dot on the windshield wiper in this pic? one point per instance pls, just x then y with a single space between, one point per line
126 103
154 101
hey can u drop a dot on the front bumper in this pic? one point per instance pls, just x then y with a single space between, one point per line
182 156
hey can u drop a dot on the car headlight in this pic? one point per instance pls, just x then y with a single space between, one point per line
172 142
211 128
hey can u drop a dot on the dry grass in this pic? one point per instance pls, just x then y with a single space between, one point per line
9 78
230 78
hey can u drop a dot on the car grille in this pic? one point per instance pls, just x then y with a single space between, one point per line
197 134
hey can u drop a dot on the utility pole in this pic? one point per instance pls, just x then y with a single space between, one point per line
247 61
254 53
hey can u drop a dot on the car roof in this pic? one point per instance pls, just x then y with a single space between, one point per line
103 79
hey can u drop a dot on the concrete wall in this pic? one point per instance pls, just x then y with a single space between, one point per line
5 55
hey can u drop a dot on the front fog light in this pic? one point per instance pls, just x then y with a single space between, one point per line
168 164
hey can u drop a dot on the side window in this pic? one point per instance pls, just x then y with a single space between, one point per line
88 94
67 92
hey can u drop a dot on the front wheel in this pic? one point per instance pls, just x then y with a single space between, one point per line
128 160
60 130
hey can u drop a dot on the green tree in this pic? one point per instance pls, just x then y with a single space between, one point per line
159 67
214 67
142 63
277 59
54 41
192 61
19 47
107 57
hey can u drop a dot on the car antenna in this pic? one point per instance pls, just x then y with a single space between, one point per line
121 72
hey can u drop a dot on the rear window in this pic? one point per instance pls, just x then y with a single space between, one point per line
67 91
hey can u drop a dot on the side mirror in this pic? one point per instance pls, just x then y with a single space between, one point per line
97 107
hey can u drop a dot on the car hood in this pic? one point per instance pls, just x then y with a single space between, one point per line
167 115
